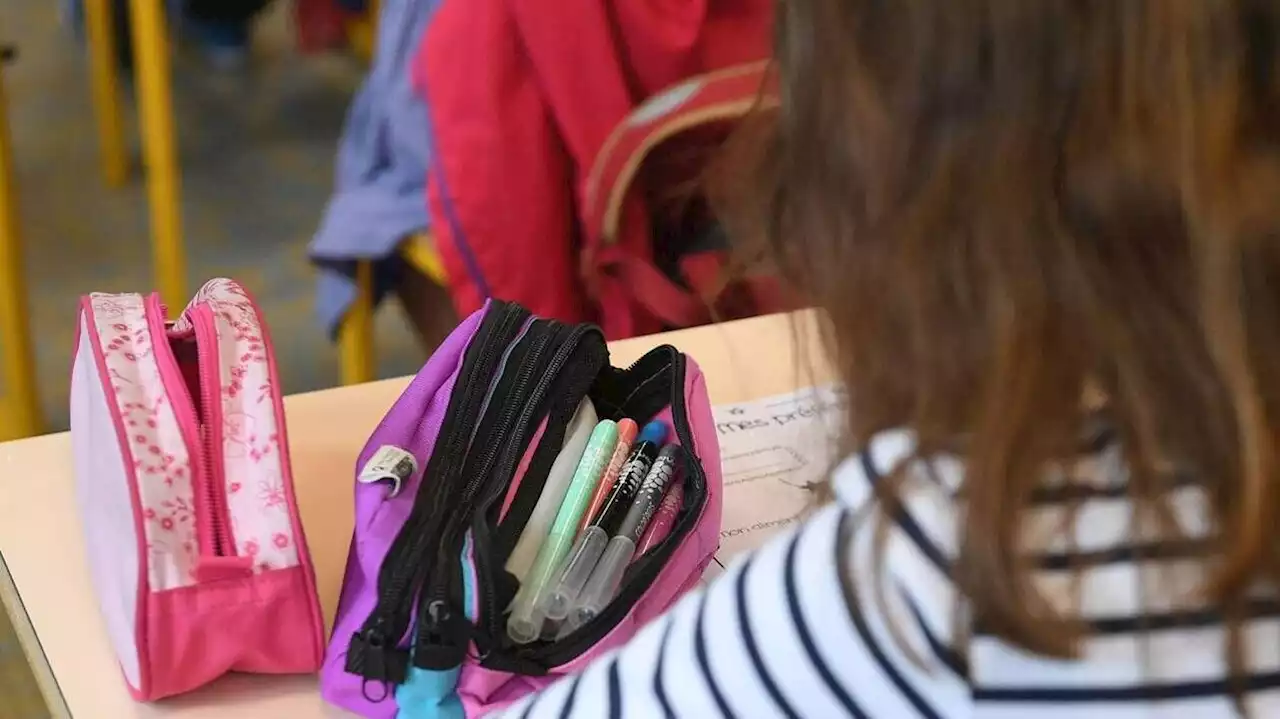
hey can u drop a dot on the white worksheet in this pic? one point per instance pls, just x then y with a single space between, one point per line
772 451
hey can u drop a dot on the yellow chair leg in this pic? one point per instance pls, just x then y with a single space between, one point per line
22 415
420 252
154 87
362 33
104 79
355 336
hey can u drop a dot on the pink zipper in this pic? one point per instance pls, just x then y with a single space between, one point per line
213 484
217 558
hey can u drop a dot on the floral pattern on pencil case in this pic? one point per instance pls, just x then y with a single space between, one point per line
254 466
155 445
257 499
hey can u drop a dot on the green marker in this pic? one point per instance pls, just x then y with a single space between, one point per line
527 612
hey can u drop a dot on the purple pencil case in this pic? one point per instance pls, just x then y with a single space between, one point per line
420 631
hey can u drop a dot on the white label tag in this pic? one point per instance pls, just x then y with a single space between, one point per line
389 463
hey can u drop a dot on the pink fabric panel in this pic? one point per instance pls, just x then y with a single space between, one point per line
522 468
260 624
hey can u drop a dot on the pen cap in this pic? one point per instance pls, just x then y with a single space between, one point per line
626 436
655 432
627 431
665 470
577 571
663 519
525 623
604 580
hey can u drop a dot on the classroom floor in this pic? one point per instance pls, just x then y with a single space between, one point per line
257 153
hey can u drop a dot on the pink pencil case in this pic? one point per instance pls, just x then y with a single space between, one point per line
195 547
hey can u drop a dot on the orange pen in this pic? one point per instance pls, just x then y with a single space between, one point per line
627 430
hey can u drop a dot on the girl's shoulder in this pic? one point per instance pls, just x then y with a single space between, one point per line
891 457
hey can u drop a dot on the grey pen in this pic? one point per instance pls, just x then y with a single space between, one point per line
603 583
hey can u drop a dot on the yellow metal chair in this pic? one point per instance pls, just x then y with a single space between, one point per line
152 78
355 335
362 32
19 407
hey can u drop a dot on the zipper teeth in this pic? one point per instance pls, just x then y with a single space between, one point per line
184 402
491 353
446 565
561 358
406 574
570 345
439 586
508 415
215 497
494 383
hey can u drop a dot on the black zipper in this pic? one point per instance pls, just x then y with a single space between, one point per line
466 485
440 597
374 652
567 383
513 357
444 633
537 658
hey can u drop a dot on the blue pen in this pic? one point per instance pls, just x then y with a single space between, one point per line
643 453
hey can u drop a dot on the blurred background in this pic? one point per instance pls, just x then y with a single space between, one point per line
256 133
155 144
257 138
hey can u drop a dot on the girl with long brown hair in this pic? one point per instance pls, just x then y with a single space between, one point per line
1046 234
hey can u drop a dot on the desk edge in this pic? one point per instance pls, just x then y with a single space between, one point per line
36 659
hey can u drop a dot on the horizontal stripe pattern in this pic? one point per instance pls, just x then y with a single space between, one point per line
805 628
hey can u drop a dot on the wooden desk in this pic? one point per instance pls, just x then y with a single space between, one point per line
42 544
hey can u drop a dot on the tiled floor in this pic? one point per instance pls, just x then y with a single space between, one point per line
257 153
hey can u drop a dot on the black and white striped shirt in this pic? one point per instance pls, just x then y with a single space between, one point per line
775 635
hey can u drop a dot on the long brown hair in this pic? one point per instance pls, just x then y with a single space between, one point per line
1000 203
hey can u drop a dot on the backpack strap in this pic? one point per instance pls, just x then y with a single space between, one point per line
721 96
663 298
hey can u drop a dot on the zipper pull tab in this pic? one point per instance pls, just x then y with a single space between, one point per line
369 655
389 463
442 644
213 569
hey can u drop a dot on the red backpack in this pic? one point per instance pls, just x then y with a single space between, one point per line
674 267
561 170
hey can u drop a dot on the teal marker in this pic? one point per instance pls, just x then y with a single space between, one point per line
527 610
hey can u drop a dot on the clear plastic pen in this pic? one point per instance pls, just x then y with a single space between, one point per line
527 617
